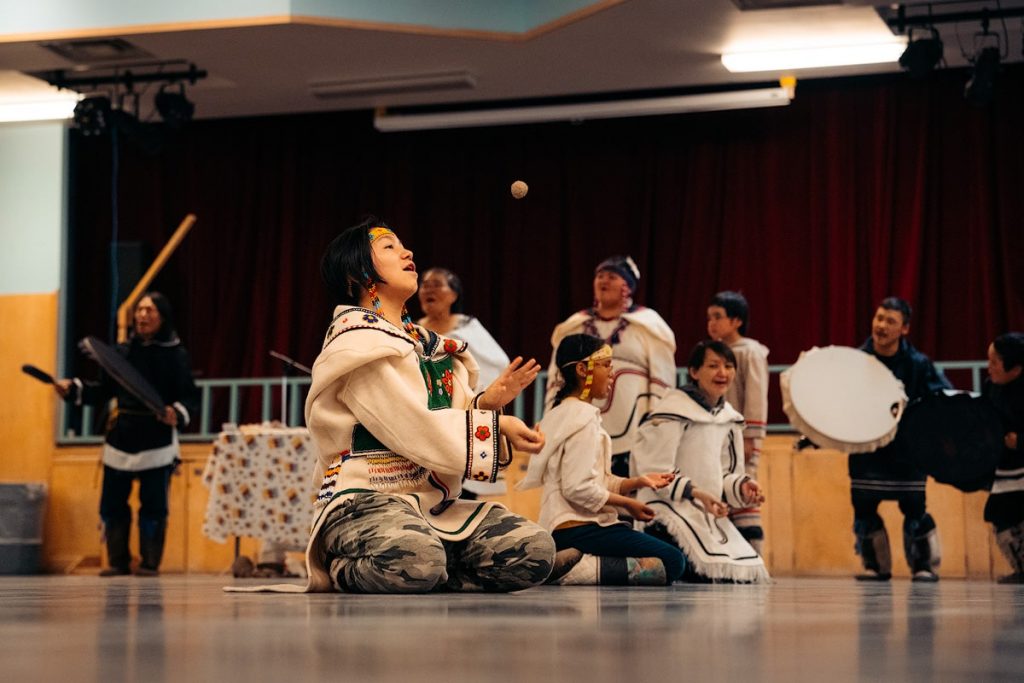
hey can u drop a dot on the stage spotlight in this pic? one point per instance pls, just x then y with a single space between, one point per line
981 86
922 55
174 107
92 115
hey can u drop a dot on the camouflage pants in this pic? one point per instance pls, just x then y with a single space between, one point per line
376 543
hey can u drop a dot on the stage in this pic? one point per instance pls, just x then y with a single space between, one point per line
184 628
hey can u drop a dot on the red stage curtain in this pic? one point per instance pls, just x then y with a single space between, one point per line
861 188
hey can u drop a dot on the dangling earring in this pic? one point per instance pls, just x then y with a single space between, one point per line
371 289
407 324
588 381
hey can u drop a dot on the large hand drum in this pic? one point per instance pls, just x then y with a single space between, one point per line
955 437
843 398
124 373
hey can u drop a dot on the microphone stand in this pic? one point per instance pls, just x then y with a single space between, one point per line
287 365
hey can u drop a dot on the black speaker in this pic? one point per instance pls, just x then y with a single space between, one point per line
131 259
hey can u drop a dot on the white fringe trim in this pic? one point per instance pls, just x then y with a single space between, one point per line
742 571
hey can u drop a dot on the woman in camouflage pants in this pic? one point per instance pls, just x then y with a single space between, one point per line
398 427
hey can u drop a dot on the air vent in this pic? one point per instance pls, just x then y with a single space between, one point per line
393 85
97 51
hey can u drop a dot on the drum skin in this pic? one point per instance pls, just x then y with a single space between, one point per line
842 398
124 373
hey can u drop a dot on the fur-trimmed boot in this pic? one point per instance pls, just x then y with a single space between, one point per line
873 548
922 548
1011 544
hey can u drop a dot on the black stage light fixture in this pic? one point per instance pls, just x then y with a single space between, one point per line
92 115
174 107
981 86
923 54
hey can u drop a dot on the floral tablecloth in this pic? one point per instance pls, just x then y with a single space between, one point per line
260 485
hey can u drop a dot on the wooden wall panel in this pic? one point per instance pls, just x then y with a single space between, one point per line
27 407
775 474
808 518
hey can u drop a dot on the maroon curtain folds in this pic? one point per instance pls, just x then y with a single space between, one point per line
859 189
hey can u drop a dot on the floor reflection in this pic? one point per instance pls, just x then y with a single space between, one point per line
186 628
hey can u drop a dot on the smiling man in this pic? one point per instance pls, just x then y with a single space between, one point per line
884 474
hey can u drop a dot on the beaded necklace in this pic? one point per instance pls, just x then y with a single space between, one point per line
590 327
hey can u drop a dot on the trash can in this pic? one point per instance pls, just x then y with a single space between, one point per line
21 527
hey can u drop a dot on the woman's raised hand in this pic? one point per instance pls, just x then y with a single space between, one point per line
512 380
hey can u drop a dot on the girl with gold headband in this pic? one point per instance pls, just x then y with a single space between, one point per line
398 428
581 496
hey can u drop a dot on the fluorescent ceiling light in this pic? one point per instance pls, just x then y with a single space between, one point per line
681 104
37 110
814 57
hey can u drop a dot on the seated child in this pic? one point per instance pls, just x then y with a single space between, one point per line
581 495
695 432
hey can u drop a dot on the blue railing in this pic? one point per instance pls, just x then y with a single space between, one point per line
232 399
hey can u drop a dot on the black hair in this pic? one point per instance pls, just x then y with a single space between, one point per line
571 350
348 262
454 283
700 351
894 303
1010 347
163 307
735 305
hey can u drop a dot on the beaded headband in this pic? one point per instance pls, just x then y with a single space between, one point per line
602 353
379 231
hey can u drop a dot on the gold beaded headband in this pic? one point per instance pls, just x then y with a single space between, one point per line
379 231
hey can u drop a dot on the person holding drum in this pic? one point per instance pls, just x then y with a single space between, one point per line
1005 507
139 444
694 432
728 317
644 347
883 474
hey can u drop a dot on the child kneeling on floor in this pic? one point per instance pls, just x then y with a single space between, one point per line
581 500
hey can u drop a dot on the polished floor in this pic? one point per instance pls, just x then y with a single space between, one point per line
184 628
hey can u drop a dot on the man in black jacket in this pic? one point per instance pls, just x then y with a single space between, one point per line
884 474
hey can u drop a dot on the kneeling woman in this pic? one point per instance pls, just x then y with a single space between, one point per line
581 496
697 433
398 428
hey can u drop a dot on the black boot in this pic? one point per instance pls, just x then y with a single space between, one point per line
119 557
151 546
